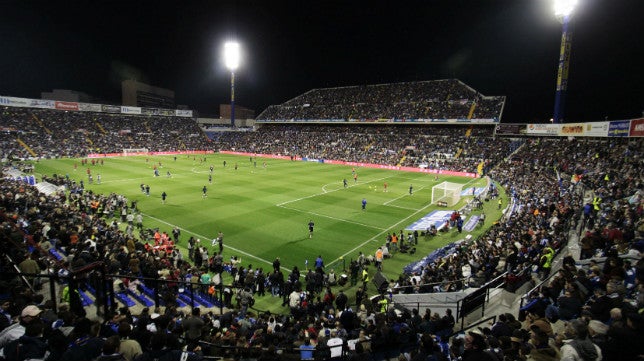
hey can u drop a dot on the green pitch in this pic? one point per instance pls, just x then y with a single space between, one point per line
264 211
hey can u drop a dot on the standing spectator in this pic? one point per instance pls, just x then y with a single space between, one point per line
319 262
193 326
245 298
139 221
335 345
31 268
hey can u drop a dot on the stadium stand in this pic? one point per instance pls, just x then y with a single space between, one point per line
605 204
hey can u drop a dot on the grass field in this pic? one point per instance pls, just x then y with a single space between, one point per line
264 211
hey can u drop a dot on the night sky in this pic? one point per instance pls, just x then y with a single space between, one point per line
499 47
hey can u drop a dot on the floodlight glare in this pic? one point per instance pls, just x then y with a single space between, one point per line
231 55
564 7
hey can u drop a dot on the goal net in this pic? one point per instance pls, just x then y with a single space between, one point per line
134 151
447 193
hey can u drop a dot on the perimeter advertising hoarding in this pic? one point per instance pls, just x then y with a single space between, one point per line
637 128
150 111
15 102
596 129
43 104
167 112
183 113
130 110
509 129
571 129
87 107
543 129
66 105
619 128
111 108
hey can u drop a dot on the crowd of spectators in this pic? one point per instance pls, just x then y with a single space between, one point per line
549 182
447 147
438 99
54 133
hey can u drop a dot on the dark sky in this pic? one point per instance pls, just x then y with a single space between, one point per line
499 47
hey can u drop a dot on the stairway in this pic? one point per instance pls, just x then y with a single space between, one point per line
100 127
402 160
27 148
471 113
47 130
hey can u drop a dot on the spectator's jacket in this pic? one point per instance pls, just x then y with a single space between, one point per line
83 350
26 348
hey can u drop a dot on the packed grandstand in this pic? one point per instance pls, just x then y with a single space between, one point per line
567 194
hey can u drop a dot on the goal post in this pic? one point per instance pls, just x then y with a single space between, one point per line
447 193
134 151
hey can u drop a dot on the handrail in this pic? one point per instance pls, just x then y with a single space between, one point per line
432 284
473 325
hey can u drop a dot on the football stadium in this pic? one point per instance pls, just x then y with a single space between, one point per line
383 221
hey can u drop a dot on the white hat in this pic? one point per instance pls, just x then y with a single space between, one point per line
30 311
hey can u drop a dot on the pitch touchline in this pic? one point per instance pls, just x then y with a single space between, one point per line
207 238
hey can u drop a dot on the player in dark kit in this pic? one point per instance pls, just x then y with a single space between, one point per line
311 224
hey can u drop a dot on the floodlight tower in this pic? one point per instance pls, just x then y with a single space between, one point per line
231 60
563 11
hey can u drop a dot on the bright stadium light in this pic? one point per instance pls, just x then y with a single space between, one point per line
232 57
563 11
564 8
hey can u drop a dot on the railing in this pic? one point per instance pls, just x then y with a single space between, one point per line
475 324
478 298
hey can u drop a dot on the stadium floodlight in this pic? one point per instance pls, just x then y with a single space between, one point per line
232 57
563 11
564 7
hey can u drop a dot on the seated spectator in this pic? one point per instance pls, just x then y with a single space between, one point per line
577 345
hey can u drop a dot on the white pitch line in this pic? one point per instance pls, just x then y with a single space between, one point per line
383 232
374 238
206 237
330 217
324 191
397 198
407 208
